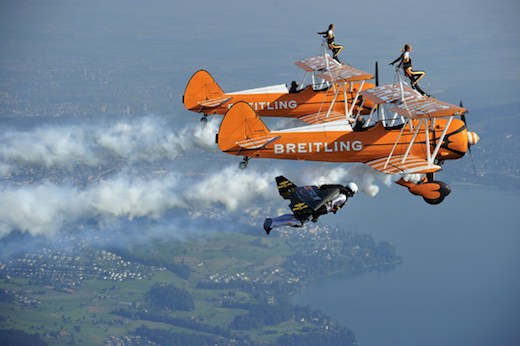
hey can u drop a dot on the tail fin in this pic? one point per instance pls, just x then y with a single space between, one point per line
202 91
242 129
286 188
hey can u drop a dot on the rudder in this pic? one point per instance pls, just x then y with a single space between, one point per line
201 87
242 128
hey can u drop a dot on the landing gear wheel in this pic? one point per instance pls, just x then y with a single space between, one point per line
204 119
434 201
443 189
243 164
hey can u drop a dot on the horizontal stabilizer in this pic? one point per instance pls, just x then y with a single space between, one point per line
256 142
322 117
396 165
210 103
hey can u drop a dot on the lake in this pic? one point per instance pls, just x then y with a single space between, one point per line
459 283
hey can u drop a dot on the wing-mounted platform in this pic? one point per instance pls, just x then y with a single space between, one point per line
317 63
344 74
313 66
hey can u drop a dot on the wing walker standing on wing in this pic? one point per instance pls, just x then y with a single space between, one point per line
396 128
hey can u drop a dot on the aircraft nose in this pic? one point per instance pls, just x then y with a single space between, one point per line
473 138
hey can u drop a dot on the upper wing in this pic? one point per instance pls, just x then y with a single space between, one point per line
395 165
317 63
408 103
344 73
426 108
389 93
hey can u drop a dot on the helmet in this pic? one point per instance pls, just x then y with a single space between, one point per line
352 187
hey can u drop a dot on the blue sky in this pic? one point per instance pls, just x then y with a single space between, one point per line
167 165
469 49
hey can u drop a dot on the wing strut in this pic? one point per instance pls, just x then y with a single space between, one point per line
438 146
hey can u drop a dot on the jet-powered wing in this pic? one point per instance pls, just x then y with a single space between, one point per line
286 187
313 196
305 200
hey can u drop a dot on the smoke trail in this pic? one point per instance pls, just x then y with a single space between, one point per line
45 208
232 187
129 194
364 176
147 139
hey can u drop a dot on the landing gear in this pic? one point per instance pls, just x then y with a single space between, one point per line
432 191
243 164
204 118
437 188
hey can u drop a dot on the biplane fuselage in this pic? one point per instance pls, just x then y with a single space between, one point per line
338 142
311 104
416 146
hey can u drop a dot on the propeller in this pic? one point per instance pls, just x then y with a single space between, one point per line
377 84
473 138
377 75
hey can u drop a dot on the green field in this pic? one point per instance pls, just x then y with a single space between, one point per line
230 276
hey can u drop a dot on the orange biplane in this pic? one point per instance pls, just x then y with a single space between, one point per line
332 94
403 133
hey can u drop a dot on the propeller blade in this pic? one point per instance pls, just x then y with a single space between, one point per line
463 118
377 75
463 115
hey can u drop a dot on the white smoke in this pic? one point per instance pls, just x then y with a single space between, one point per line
225 195
364 176
39 210
43 209
233 188
414 178
46 147
145 138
